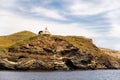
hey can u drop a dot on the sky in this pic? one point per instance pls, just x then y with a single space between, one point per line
96 19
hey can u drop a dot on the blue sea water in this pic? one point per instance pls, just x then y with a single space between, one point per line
64 75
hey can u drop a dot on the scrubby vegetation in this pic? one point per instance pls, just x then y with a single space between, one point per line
6 41
84 44
57 52
9 40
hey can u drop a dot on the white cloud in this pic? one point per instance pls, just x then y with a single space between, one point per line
109 42
11 22
7 3
114 19
4 13
49 13
84 8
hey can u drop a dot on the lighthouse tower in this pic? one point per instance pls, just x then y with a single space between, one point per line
45 31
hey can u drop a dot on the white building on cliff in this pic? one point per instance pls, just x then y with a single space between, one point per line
45 31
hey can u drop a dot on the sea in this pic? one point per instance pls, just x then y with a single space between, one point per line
61 75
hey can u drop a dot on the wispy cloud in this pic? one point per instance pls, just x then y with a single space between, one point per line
5 3
93 7
97 19
114 19
11 22
49 13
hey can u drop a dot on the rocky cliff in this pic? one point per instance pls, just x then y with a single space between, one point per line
50 52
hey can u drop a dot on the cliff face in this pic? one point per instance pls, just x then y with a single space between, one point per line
45 52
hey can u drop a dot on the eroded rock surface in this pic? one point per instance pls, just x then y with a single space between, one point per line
53 53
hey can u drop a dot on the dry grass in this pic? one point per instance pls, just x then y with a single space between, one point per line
110 52
9 40
84 44
6 41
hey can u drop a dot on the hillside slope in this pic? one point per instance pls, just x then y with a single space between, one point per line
50 52
6 41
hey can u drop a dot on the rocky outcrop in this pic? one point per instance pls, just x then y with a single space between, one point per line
53 53
52 63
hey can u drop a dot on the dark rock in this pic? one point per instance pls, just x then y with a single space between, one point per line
70 64
52 53
48 50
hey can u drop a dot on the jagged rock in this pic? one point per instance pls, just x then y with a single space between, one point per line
54 53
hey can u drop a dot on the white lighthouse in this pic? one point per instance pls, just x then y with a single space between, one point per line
45 31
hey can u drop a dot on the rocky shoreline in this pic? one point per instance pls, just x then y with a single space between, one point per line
51 53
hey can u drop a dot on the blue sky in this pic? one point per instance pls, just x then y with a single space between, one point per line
96 19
